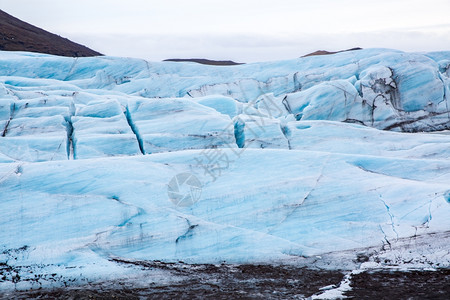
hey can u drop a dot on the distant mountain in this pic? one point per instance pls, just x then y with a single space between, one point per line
206 61
324 52
16 35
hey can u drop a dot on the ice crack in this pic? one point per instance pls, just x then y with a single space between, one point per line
135 130
188 232
305 197
391 216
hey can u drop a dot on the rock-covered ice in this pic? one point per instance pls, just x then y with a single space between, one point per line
298 158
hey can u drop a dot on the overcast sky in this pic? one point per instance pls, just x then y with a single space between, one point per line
241 30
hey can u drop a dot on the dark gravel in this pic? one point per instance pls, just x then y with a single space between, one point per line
401 285
258 282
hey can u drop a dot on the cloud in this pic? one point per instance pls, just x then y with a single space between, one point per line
258 47
246 31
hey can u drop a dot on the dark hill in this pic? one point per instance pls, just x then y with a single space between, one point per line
205 61
16 35
323 52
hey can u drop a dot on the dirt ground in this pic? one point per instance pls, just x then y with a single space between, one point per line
260 282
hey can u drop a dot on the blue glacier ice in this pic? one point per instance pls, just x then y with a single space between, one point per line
297 159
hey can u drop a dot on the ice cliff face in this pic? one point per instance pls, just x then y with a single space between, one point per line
293 158
81 104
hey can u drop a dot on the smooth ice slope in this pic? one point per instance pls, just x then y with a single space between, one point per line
339 154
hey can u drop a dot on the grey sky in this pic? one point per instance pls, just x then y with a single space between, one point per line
242 30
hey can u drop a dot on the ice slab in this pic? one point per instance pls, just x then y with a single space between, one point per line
171 124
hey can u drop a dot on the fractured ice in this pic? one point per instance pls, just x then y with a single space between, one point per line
323 154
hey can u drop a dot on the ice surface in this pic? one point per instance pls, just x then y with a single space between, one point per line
101 129
260 132
224 105
178 124
306 203
347 138
296 159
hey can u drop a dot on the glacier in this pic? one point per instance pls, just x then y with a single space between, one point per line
310 161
